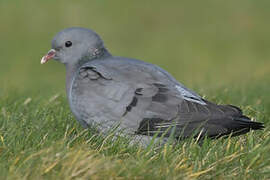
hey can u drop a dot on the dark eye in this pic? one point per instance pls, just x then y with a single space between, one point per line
68 43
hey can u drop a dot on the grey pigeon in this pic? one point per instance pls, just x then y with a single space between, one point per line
140 98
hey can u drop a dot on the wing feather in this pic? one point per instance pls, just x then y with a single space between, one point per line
147 101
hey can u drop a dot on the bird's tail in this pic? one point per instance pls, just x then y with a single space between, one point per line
243 124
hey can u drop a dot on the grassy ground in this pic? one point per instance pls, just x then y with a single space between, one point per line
218 48
41 139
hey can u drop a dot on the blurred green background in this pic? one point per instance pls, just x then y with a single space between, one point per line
207 45
219 48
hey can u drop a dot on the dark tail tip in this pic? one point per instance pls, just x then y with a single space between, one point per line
243 125
250 124
256 125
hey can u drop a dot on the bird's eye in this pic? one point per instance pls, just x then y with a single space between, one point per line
68 43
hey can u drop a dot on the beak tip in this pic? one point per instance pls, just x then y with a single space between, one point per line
42 60
47 57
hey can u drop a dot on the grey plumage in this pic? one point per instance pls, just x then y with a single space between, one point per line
143 99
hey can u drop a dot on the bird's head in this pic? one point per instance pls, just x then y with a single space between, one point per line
75 45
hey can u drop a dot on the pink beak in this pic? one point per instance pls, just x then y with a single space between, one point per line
48 56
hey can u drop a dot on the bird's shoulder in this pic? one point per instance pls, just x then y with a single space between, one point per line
127 66
136 73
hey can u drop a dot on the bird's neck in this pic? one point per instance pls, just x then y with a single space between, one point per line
70 72
98 53
71 68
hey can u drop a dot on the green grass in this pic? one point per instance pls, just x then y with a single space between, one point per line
218 48
40 139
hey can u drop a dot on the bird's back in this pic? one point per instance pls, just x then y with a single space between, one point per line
145 99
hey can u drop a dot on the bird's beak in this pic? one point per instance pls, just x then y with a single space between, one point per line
48 56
